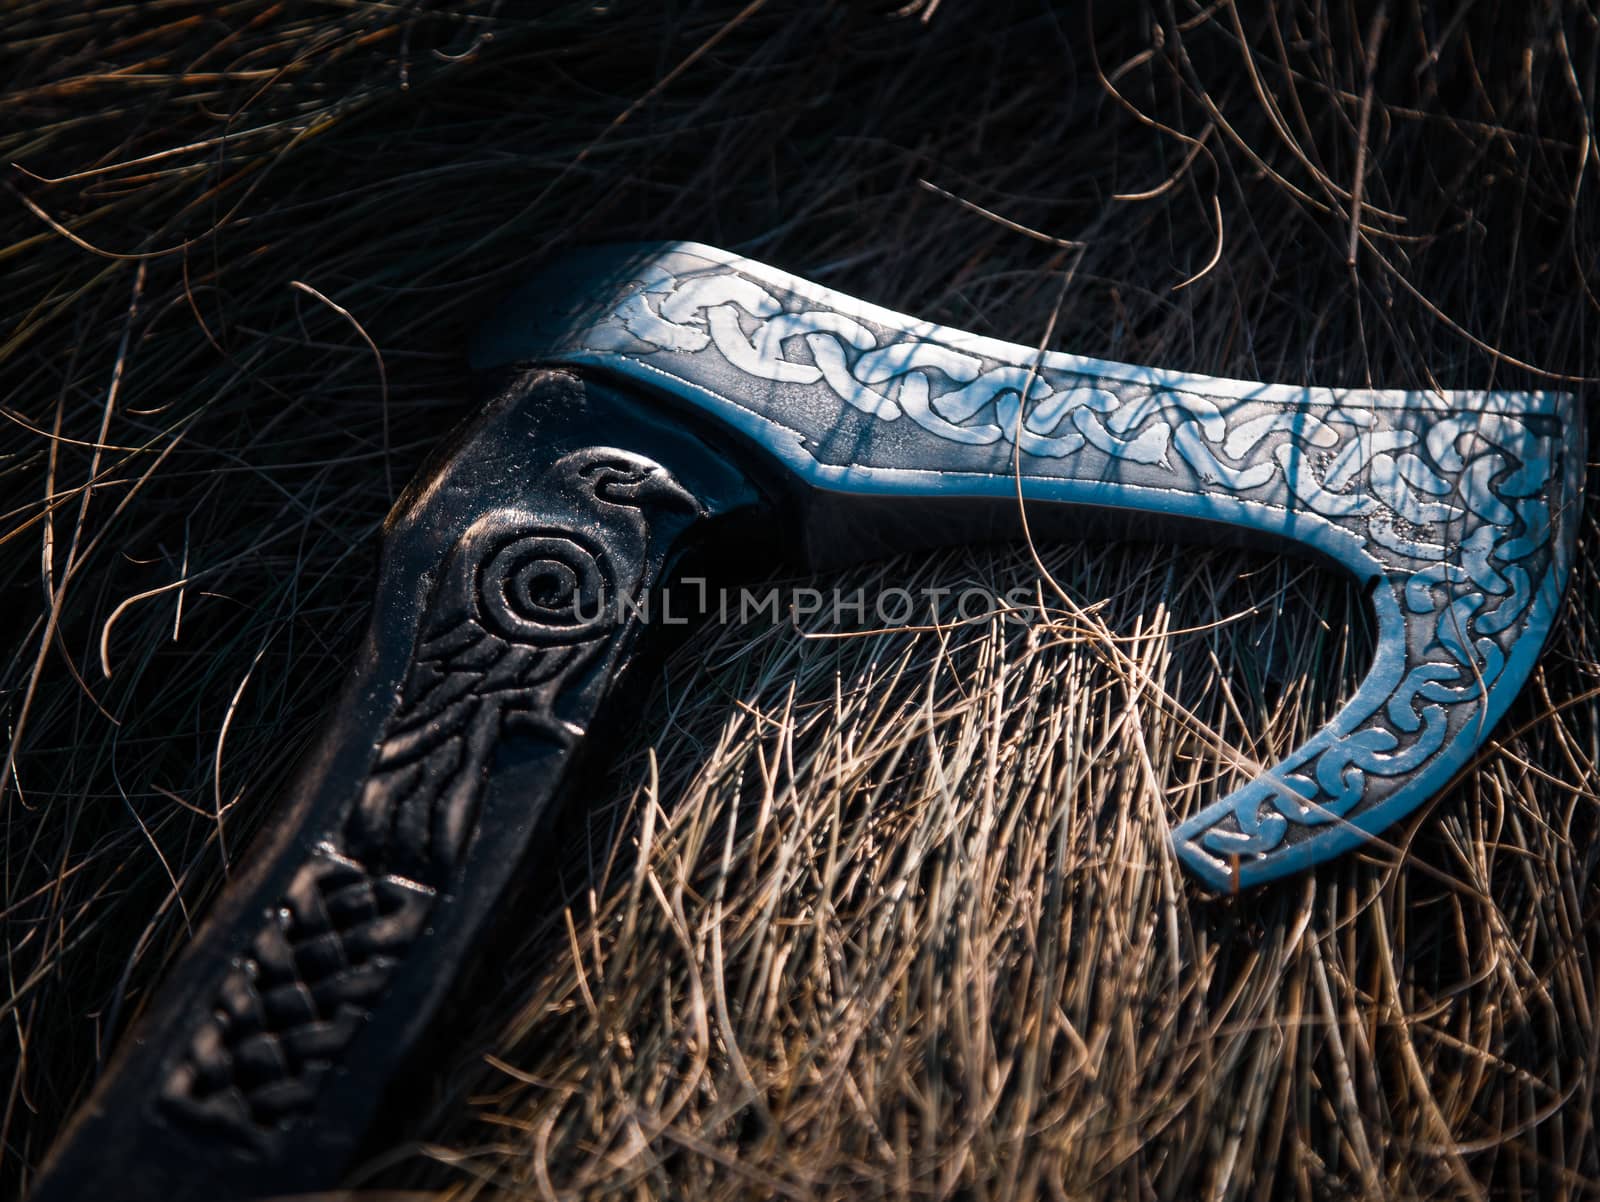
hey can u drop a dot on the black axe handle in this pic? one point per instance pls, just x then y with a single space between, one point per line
509 604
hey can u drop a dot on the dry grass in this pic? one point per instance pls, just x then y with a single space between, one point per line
886 915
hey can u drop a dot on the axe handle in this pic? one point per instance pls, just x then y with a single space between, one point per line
502 621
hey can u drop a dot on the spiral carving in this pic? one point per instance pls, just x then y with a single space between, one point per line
546 587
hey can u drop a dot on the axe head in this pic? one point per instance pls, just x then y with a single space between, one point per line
1456 510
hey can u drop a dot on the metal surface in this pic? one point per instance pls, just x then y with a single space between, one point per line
1457 510
700 402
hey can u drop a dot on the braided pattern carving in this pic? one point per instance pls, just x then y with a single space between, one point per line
522 610
311 975
1412 488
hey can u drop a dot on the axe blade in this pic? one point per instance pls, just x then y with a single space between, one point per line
1456 510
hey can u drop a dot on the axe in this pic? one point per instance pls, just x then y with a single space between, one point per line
655 407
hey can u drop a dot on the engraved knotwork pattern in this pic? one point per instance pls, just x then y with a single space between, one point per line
522 611
1446 505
